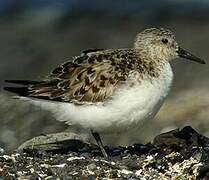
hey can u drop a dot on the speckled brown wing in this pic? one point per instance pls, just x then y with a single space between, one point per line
89 78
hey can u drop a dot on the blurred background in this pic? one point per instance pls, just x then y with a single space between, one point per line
38 35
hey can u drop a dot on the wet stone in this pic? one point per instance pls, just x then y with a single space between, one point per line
92 167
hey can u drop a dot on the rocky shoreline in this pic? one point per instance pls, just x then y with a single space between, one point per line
177 154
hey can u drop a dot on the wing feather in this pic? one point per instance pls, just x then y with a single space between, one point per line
88 82
89 78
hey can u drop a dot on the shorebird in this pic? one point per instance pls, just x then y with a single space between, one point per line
109 91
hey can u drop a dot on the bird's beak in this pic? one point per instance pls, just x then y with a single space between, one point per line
184 54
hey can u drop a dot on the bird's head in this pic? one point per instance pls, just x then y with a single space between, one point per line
160 44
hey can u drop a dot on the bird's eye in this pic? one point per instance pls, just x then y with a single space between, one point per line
164 41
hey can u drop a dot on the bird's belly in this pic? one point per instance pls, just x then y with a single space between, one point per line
136 105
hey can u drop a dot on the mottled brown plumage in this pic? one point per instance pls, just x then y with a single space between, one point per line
93 76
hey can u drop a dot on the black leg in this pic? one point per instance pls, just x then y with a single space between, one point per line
99 143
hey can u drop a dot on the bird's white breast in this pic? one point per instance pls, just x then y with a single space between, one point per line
129 105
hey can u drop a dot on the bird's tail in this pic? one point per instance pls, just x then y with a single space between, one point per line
20 90
22 82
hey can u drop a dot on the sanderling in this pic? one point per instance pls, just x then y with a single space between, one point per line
109 91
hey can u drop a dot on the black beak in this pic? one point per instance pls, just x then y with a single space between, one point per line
184 54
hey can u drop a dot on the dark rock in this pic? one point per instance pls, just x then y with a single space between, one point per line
140 149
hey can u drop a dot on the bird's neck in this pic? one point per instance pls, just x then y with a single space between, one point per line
149 64
150 55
